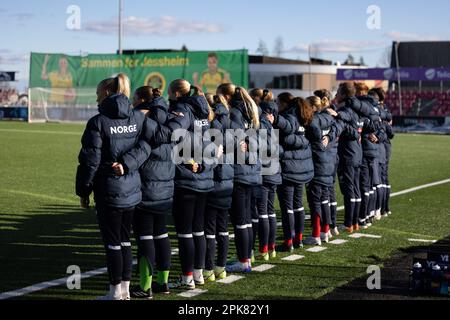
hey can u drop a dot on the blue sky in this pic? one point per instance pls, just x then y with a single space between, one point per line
333 28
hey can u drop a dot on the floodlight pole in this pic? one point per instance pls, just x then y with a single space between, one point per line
310 69
399 77
120 26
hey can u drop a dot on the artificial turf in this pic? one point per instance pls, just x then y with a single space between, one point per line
43 230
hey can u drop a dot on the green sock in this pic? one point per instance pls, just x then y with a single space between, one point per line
163 277
145 274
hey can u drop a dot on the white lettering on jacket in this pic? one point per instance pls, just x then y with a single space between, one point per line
201 123
124 129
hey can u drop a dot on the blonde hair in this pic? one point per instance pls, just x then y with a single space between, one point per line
119 84
226 89
361 89
325 96
210 98
250 106
220 98
181 86
315 102
259 95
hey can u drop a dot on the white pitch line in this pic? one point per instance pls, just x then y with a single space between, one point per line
364 235
263 267
230 279
338 241
293 257
62 281
192 293
425 186
422 240
316 249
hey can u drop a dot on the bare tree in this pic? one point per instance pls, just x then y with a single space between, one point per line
386 57
262 48
361 61
314 51
278 47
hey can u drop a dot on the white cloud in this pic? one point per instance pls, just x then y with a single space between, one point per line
405 36
6 58
166 25
338 46
22 16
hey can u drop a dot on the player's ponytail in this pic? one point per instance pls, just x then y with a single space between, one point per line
305 111
180 86
250 106
123 84
325 97
315 103
260 95
118 84
219 98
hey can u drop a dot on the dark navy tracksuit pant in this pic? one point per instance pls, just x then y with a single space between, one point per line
267 226
115 227
216 229
189 218
349 181
290 195
319 199
150 230
241 218
367 192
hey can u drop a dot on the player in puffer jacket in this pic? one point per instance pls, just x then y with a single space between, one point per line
297 166
350 154
386 118
220 199
194 179
266 225
320 133
324 106
244 118
150 219
325 97
369 167
115 130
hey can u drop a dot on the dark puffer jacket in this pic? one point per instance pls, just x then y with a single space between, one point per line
324 163
223 173
350 146
158 172
114 131
389 134
271 167
250 172
196 111
296 159
366 109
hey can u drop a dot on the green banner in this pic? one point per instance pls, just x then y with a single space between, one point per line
66 76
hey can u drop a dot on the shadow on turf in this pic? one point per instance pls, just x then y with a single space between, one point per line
45 241
394 277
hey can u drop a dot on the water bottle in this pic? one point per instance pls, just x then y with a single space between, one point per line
436 277
415 278
444 281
